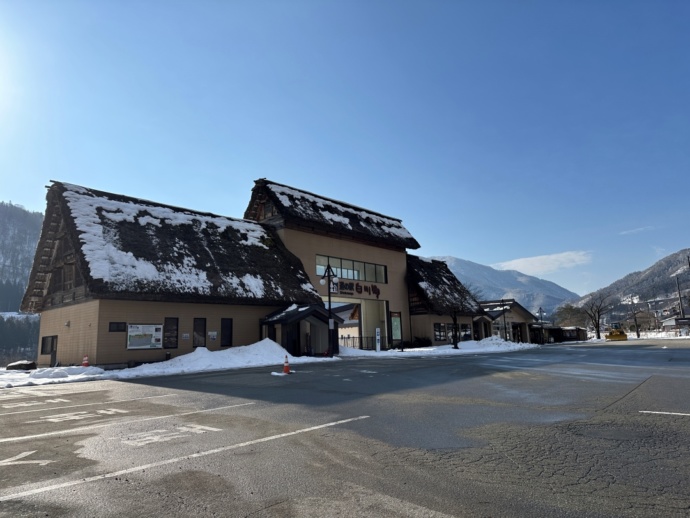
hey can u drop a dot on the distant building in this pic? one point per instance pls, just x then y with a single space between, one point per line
679 325
510 320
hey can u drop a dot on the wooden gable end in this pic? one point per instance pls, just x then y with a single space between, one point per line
57 275
418 303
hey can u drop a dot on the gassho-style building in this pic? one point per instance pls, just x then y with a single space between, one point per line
125 281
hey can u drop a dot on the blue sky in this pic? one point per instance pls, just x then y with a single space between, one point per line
551 137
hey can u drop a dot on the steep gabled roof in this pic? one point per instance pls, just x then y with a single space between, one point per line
496 308
439 287
304 209
296 313
132 248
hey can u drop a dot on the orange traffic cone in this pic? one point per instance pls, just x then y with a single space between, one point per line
85 361
286 366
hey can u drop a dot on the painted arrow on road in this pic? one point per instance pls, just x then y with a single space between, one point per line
15 460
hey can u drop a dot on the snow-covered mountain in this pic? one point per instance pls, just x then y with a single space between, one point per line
656 287
491 284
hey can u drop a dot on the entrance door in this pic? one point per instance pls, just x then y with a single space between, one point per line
199 332
49 346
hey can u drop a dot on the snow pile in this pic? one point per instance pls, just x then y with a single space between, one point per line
262 354
492 344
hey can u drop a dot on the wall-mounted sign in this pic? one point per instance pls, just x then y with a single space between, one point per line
145 336
350 288
396 325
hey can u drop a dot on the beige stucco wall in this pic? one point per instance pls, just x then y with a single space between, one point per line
306 246
88 333
77 331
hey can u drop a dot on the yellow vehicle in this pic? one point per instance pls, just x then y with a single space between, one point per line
616 332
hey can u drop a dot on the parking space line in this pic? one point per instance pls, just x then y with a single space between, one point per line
111 423
663 413
82 404
175 460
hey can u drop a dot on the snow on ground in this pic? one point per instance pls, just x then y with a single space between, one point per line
262 354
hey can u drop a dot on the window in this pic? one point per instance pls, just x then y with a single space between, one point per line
336 266
465 332
381 274
117 327
68 277
358 270
439 332
449 331
48 344
226 332
321 263
199 332
349 269
370 272
170 328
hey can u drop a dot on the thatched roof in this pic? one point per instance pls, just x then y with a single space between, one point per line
443 293
131 248
282 205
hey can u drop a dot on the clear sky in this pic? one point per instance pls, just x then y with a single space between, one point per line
547 136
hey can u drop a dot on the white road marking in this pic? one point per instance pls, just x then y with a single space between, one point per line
45 391
662 413
15 460
174 460
111 423
78 416
153 436
81 404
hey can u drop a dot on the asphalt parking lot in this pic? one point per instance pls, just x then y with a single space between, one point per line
567 431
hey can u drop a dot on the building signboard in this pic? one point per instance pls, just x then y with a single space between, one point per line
145 336
352 288
396 325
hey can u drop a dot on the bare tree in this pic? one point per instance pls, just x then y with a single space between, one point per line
475 291
569 315
595 308
634 312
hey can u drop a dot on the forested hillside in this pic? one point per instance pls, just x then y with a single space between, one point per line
18 337
19 233
656 288
657 281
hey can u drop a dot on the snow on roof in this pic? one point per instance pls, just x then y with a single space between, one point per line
440 287
337 216
137 245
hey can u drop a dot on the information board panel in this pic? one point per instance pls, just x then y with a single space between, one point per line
145 336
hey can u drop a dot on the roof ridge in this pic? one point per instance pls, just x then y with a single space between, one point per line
332 200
